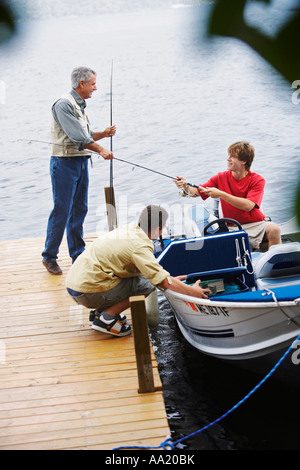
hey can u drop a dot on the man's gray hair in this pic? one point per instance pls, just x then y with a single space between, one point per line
81 73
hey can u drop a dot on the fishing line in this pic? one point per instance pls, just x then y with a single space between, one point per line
115 158
96 153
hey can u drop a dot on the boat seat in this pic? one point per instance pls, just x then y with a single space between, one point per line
217 273
278 261
195 218
210 253
271 282
283 294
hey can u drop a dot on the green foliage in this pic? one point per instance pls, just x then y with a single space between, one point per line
227 19
7 25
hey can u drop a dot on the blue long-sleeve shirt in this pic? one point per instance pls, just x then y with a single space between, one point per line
64 114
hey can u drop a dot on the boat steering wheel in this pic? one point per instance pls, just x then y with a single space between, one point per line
222 226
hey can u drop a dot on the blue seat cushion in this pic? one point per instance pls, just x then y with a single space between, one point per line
286 293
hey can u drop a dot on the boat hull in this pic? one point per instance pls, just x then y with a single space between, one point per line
253 338
235 331
253 312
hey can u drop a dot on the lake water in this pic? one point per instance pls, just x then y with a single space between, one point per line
199 389
179 101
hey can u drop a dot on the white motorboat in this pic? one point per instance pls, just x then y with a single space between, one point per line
254 309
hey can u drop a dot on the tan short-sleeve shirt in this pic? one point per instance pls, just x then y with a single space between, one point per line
121 253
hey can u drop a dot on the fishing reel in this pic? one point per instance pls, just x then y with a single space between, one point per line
184 193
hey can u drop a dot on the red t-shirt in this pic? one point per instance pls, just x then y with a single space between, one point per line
251 187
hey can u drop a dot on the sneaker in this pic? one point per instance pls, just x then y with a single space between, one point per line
93 314
112 325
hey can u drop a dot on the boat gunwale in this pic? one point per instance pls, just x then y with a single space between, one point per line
222 303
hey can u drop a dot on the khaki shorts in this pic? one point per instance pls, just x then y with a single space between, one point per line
256 232
128 287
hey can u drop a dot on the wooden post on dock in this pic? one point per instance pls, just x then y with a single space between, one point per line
110 207
141 342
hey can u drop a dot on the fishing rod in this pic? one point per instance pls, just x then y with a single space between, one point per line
145 168
96 153
154 171
118 159
110 200
111 123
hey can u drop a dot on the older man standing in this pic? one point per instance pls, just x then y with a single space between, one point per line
72 142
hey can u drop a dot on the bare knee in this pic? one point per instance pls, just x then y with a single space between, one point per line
273 234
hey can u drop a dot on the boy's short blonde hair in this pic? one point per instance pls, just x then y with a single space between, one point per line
243 151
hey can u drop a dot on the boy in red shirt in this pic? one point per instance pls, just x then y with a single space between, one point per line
240 192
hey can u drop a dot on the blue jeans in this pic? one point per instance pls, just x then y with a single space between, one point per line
70 180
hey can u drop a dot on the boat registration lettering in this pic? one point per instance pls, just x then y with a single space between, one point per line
213 310
209 310
296 354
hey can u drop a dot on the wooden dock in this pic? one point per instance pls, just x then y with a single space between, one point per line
64 385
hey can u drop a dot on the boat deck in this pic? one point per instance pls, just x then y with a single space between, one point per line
64 385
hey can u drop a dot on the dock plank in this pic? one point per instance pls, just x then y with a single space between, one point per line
64 385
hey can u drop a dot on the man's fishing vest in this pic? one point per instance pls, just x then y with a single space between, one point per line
62 146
